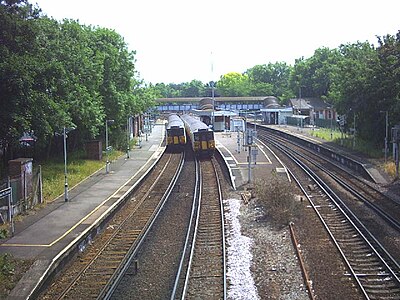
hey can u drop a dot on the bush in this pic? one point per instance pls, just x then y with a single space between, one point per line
277 199
3 232
390 168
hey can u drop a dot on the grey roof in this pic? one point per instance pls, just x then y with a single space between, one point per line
271 102
216 99
309 103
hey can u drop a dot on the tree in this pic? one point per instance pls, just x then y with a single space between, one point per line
387 75
195 88
270 79
315 75
62 74
354 86
233 84
17 71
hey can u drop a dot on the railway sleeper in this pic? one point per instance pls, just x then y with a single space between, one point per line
206 242
351 243
388 285
384 292
365 261
200 276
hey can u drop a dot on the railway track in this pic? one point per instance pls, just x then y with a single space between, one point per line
385 207
374 270
96 274
369 264
202 274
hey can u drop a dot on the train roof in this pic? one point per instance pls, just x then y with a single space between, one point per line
194 124
174 121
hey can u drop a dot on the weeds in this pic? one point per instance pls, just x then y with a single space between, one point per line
78 169
7 267
277 200
11 271
346 141
390 168
3 231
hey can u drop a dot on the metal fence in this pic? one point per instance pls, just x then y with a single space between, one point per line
25 194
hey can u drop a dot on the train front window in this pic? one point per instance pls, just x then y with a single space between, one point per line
176 131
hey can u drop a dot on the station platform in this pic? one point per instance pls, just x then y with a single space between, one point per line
230 144
44 235
235 153
309 133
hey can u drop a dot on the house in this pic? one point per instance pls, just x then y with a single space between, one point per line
319 112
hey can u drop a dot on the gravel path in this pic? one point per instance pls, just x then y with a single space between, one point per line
262 263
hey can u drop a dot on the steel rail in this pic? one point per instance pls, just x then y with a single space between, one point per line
189 231
111 238
186 283
385 216
333 163
333 197
112 285
207 209
222 228
389 219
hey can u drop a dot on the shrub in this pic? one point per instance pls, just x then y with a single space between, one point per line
277 199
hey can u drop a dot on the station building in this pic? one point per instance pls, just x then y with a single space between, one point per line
220 111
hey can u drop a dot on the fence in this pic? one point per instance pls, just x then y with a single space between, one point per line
25 195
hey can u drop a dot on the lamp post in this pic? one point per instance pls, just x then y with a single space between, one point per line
213 103
107 147
301 120
128 138
331 115
354 130
386 132
65 131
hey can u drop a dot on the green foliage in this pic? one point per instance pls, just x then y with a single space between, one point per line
233 85
11 271
78 167
367 147
359 80
270 80
195 88
17 51
7 269
3 232
55 74
314 75
6 264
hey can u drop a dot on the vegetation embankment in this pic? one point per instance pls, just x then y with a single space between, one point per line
359 80
368 148
56 75
11 271
79 168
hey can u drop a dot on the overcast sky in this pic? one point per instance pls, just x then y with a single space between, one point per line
181 40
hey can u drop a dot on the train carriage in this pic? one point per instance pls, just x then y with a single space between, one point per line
201 137
176 135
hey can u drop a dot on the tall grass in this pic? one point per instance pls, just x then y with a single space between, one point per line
346 141
78 168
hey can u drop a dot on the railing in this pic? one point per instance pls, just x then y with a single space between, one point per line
25 194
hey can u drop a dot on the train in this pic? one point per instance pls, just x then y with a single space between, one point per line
199 135
176 134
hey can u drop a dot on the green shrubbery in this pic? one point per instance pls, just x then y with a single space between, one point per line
11 271
7 268
79 168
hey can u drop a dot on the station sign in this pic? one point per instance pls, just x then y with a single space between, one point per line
6 192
